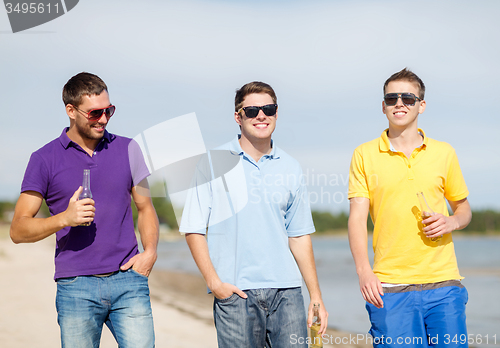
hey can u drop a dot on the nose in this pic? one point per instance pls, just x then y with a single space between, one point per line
400 101
103 119
261 115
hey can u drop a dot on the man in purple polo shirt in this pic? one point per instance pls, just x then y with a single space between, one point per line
101 276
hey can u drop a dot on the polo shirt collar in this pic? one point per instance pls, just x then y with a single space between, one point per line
66 141
235 148
386 146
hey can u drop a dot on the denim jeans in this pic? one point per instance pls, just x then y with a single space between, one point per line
267 318
120 300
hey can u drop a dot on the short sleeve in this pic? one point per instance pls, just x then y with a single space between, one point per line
197 208
298 217
36 176
455 188
138 167
358 186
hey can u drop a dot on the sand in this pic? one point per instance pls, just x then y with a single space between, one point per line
182 309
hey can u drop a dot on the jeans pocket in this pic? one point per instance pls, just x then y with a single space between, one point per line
139 274
229 299
66 281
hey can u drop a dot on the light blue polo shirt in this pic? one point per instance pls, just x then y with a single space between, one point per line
248 210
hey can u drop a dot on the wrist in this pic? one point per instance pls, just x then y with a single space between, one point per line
150 251
363 270
315 298
62 220
214 284
455 223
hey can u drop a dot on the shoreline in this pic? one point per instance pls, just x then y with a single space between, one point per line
176 289
182 309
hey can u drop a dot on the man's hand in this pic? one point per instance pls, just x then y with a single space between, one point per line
79 211
323 316
371 288
438 224
141 263
225 290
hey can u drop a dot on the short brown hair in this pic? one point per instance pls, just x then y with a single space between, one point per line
250 88
410 76
82 84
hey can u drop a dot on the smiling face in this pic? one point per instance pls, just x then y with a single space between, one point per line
86 129
260 128
403 116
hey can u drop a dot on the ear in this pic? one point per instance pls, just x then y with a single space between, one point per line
70 111
237 118
422 106
383 106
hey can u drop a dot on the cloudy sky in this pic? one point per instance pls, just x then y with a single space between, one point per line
327 61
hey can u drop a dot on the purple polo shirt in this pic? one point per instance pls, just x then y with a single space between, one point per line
56 172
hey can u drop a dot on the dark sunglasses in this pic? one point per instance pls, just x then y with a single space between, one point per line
96 114
408 99
253 111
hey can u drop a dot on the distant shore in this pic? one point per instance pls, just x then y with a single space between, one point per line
182 309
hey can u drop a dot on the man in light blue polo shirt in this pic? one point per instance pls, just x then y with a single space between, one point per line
248 228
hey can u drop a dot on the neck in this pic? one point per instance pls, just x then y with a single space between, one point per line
86 144
404 136
405 140
256 148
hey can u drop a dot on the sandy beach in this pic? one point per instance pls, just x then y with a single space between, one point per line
182 309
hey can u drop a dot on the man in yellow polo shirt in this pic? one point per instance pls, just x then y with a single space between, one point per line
413 293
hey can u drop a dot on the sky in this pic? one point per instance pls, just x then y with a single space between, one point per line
326 60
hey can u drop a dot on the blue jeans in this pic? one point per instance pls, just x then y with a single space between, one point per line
421 315
120 300
267 318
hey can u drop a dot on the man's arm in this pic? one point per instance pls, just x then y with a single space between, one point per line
439 224
147 223
199 249
25 228
301 248
370 286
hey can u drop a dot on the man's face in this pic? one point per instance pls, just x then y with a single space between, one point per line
401 115
260 127
93 130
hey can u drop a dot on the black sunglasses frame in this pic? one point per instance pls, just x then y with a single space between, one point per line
268 110
402 96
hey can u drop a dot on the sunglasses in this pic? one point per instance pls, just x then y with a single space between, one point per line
253 111
408 99
96 114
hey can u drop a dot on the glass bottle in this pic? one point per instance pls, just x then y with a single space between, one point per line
316 339
86 193
426 211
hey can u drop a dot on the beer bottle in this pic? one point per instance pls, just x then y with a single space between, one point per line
86 193
316 339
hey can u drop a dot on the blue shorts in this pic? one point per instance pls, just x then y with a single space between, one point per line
421 315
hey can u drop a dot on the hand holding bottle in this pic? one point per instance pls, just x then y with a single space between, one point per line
316 339
79 211
85 193
426 212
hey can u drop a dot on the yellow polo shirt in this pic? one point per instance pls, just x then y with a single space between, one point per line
390 180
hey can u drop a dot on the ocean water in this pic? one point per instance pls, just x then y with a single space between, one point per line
478 260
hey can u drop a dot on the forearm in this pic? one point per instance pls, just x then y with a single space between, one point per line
301 248
461 214
358 242
147 223
27 229
199 249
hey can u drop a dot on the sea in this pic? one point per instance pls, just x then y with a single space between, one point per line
478 260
